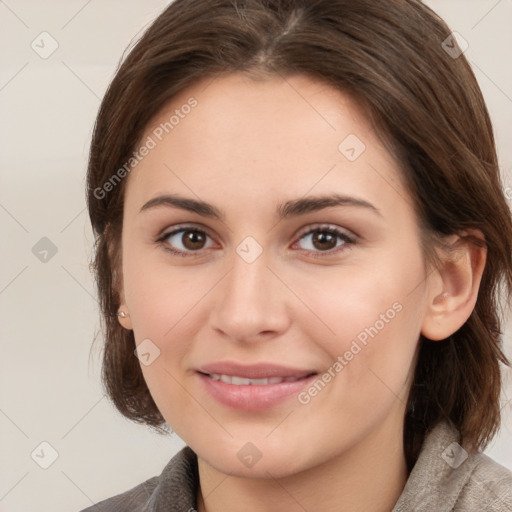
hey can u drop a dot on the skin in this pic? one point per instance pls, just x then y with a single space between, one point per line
247 147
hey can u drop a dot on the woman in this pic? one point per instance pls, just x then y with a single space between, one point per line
301 233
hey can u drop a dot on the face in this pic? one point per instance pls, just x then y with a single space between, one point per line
277 290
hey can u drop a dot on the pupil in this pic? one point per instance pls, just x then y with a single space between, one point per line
323 238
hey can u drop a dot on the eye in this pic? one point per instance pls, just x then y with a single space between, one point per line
326 239
187 240
183 240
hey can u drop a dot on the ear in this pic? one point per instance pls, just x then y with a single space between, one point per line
453 287
118 284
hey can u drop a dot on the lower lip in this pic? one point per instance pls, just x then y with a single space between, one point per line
252 397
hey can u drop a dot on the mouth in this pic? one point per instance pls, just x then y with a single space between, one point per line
255 387
244 381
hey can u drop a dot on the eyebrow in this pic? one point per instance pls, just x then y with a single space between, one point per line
288 209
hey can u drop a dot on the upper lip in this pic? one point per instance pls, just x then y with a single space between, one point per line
254 371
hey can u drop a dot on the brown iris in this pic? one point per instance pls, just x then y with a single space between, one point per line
193 240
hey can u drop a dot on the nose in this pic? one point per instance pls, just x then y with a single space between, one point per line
250 303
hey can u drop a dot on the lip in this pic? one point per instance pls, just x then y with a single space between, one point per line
253 397
254 371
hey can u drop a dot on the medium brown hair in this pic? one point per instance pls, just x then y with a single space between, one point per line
424 103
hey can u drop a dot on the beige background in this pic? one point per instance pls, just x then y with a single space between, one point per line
49 388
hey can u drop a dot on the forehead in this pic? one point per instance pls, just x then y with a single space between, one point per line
283 135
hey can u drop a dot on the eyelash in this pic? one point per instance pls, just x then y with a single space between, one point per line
348 240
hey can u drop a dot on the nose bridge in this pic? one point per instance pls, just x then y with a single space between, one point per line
244 279
249 302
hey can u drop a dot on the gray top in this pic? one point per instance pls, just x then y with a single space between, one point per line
444 479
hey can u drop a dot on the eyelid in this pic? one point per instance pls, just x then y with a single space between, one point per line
324 226
182 227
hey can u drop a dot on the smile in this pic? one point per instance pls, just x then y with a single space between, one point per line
253 388
243 381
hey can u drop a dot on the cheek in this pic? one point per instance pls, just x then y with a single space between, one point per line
369 320
165 308
161 298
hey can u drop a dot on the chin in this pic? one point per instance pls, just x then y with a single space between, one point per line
258 459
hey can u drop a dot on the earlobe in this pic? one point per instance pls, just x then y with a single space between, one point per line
124 317
453 287
123 313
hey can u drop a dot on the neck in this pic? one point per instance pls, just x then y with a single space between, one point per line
369 477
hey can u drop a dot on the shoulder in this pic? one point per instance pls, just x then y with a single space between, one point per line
489 486
132 500
447 478
175 487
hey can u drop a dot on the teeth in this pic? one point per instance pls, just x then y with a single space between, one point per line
242 381
259 382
